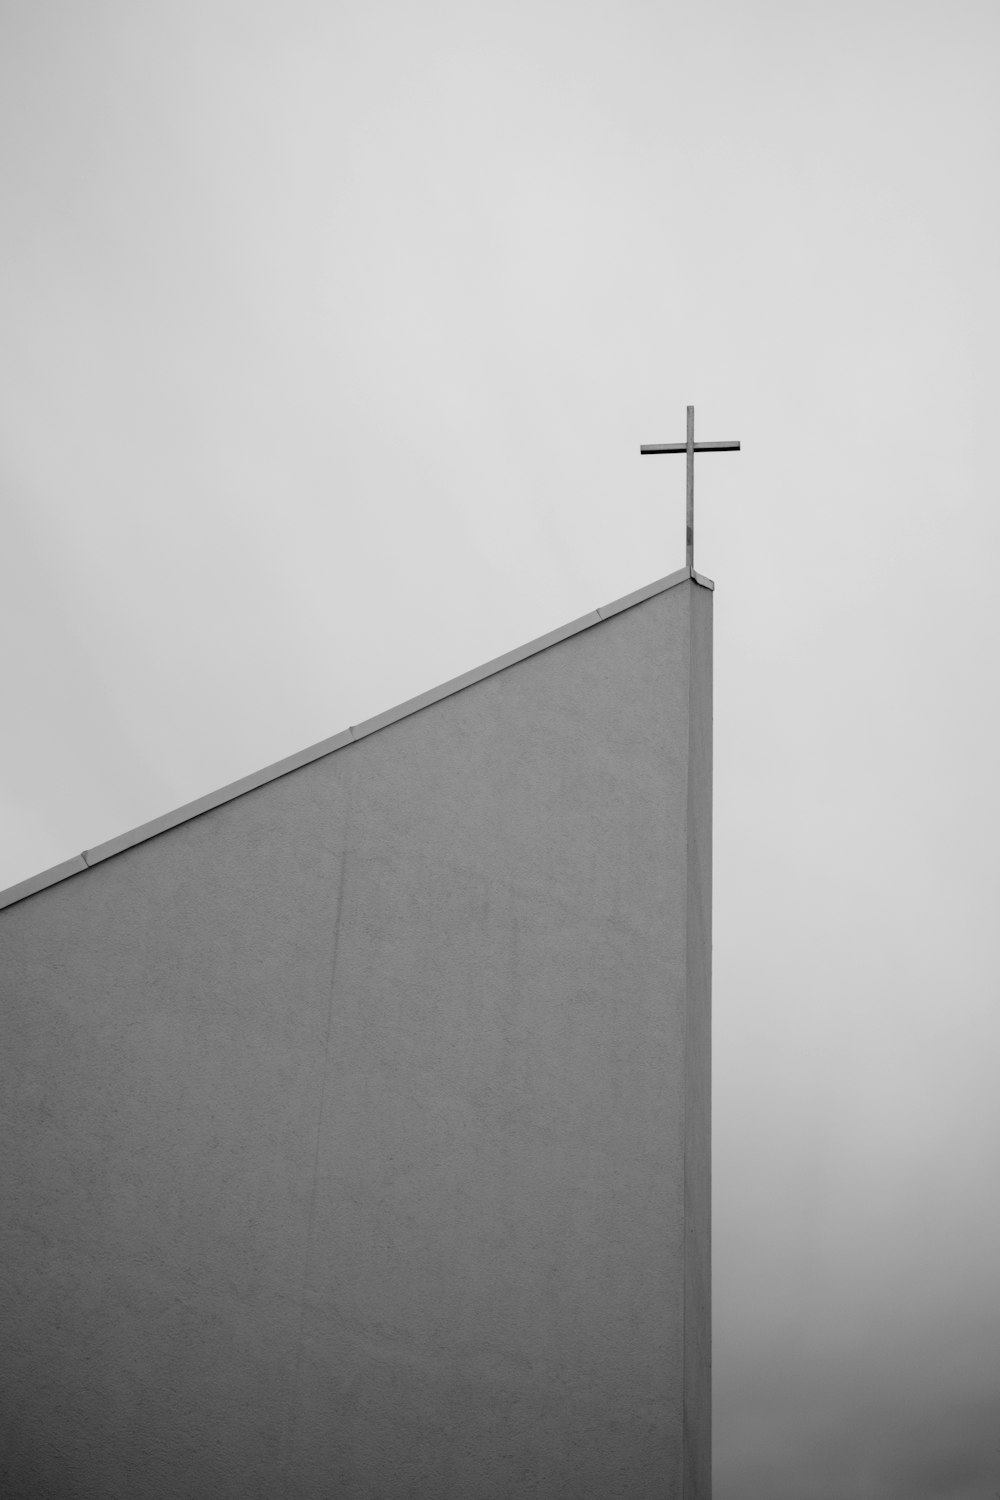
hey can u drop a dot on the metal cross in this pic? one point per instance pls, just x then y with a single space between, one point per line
690 448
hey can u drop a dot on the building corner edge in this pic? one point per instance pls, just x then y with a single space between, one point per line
697 1383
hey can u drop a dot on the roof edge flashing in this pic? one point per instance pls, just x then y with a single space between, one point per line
41 882
322 748
212 800
606 611
477 674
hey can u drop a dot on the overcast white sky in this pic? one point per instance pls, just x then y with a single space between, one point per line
329 333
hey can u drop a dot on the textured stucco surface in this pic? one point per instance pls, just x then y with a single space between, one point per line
356 1131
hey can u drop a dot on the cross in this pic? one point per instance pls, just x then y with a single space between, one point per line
690 448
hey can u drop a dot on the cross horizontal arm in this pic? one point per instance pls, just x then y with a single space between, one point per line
682 447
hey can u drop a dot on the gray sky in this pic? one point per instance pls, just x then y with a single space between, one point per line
329 333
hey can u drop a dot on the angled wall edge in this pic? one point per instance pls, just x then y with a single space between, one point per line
166 821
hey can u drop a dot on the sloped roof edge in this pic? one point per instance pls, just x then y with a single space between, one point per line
349 736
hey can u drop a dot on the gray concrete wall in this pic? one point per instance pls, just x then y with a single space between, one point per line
356 1132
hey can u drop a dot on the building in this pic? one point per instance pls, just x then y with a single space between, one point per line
356 1118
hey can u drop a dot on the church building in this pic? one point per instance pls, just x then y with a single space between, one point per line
356 1117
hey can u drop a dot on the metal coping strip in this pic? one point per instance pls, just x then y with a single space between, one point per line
123 841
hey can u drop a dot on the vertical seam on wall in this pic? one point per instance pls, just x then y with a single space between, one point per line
290 1429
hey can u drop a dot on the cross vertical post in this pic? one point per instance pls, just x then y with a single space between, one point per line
690 448
689 556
